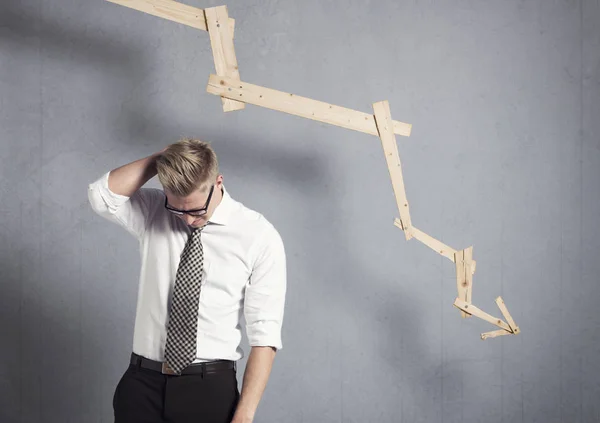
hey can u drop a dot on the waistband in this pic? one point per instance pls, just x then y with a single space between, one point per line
209 367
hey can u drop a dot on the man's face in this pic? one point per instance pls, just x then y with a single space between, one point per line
197 200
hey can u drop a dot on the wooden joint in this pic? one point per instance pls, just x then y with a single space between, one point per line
221 41
474 311
171 10
513 326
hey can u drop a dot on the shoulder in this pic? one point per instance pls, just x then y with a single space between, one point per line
255 224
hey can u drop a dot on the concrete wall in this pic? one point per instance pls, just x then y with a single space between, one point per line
504 98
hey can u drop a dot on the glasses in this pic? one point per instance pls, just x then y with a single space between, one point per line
196 212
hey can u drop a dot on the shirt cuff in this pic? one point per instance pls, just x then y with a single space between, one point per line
101 197
264 334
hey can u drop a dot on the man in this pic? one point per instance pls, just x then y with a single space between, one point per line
205 259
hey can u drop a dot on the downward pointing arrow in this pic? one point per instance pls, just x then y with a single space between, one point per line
507 329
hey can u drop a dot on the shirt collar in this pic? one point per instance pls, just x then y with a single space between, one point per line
223 211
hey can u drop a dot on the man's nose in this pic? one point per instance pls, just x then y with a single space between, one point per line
189 219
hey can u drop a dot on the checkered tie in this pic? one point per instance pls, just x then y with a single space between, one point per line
180 349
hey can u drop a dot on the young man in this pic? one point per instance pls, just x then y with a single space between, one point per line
205 259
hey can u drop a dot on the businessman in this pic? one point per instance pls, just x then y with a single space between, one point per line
205 259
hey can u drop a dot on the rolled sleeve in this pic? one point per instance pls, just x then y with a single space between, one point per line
265 293
131 213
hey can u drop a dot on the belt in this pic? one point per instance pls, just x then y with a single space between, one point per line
209 367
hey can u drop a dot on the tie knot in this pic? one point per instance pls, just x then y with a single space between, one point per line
197 231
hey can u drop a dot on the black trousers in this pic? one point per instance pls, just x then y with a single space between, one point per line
148 396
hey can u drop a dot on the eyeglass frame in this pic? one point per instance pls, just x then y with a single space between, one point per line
181 212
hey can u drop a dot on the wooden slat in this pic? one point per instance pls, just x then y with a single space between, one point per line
461 280
429 241
298 106
468 257
507 316
217 20
171 10
471 309
437 246
464 275
383 119
495 333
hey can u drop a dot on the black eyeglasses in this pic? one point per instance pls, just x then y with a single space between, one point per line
196 212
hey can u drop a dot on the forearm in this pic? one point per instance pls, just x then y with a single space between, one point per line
127 179
256 375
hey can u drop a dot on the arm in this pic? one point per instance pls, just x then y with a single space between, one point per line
256 376
127 179
118 197
263 309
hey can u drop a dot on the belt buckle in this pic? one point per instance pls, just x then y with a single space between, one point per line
167 370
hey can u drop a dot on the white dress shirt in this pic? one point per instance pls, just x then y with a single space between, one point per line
244 271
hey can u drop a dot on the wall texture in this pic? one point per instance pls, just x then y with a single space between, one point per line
504 98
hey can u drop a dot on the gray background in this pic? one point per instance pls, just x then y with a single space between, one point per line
504 98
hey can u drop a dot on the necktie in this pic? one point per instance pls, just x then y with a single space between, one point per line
180 349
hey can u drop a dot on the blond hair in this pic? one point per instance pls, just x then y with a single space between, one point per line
187 166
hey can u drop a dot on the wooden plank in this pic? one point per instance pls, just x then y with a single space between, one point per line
471 309
468 257
434 244
507 316
383 119
461 279
429 241
170 10
437 246
495 333
299 106
217 20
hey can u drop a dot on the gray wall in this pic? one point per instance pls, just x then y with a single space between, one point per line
504 98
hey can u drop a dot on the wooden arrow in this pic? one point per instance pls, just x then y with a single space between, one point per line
235 94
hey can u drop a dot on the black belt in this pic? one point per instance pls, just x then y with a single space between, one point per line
194 368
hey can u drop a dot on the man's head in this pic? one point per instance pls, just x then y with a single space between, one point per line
189 173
